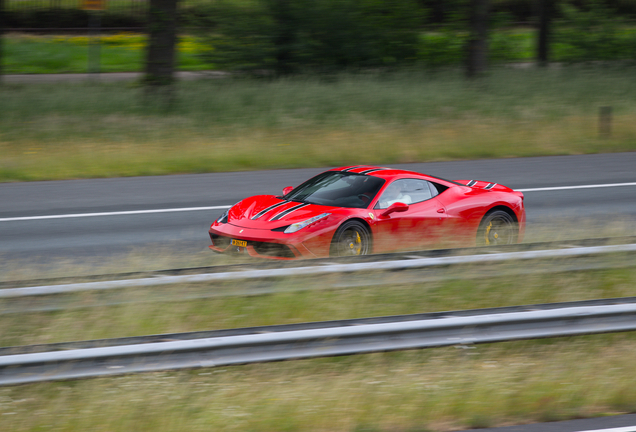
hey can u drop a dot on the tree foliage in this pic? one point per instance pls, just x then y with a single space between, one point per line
594 31
287 36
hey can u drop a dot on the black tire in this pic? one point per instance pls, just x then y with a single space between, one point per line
352 238
497 228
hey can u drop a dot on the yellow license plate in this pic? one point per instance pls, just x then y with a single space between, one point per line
241 243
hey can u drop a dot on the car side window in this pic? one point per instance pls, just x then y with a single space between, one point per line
437 188
407 191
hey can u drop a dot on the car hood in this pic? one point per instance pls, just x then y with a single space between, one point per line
270 212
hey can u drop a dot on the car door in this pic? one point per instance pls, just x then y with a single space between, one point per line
418 226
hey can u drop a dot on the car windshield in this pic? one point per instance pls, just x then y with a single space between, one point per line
338 189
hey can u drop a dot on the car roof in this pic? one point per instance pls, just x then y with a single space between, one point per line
390 173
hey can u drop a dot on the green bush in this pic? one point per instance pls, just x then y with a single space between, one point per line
236 37
447 47
287 36
509 46
442 48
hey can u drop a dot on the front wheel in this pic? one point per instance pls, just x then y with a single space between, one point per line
352 238
497 228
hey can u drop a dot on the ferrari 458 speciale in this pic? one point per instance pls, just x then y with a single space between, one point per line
359 210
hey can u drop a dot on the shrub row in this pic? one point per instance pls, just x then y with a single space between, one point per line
287 36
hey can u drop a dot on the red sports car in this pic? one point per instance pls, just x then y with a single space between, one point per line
359 210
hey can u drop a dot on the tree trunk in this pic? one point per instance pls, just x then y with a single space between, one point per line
477 47
543 43
1 37
160 54
438 10
284 40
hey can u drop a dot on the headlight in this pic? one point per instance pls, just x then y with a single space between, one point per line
300 225
223 218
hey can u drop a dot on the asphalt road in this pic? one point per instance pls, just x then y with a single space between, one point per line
616 423
80 236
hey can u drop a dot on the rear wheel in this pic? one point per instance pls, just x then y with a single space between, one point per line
497 228
352 238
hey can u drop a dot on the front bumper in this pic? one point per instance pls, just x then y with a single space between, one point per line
262 243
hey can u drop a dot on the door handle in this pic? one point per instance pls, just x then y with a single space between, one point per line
441 210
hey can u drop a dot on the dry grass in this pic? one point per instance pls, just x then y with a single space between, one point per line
71 131
142 259
382 144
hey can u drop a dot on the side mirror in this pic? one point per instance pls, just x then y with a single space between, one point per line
287 190
394 208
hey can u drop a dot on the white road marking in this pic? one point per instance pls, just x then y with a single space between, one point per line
186 209
577 187
132 212
619 429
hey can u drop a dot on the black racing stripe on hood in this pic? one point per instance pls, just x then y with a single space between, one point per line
272 207
288 211
351 168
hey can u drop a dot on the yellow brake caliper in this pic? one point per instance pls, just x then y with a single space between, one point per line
488 233
357 247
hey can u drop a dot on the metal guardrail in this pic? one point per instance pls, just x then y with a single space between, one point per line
400 264
322 340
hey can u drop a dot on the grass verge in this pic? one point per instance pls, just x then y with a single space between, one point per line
82 130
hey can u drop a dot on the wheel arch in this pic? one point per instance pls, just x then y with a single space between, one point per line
504 208
365 223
